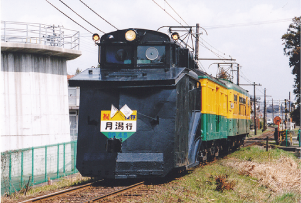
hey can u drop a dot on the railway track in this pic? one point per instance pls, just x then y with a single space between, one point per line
94 192
100 191
260 139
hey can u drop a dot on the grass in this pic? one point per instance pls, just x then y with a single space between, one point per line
35 191
214 182
260 155
287 197
205 182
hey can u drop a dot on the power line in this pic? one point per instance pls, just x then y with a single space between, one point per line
201 66
69 17
98 15
200 37
212 46
81 16
201 43
175 11
166 12
248 24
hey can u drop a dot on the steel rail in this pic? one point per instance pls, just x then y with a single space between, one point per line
123 190
63 192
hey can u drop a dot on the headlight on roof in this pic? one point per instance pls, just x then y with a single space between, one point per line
175 36
95 37
130 35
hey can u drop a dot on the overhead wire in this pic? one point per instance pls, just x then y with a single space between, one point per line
248 24
200 37
242 75
234 25
175 12
166 12
81 16
218 55
69 17
201 66
211 45
98 14
201 43
186 34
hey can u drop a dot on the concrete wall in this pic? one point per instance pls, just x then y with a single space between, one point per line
34 95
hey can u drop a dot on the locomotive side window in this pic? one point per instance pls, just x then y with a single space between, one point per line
119 54
151 55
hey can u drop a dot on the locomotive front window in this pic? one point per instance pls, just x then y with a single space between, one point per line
119 54
150 55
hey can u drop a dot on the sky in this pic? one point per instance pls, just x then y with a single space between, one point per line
249 31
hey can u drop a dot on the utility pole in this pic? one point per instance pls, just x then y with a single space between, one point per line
289 108
237 74
289 102
279 109
255 121
273 109
285 113
255 124
281 112
196 55
264 111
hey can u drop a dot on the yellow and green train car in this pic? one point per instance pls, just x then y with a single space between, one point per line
225 115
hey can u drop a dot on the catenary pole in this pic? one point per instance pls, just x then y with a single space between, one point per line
197 42
264 111
255 125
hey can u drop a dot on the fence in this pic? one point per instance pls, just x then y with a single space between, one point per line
35 33
31 166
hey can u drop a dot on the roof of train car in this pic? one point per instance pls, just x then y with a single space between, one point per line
225 83
237 88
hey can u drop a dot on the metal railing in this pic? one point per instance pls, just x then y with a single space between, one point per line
23 168
35 33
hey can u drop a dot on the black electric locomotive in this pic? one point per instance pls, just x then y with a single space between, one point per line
140 110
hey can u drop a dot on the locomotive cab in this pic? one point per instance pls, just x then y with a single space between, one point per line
131 49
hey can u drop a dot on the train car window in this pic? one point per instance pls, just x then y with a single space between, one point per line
151 55
242 100
235 97
119 54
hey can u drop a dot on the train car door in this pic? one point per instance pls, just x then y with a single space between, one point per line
217 109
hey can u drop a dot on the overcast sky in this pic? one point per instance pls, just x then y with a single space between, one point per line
249 31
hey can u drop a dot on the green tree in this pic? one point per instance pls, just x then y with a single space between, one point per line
292 50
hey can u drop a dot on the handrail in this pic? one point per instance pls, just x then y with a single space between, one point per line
35 33
27 167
